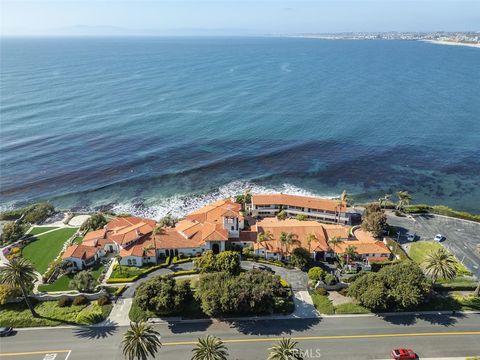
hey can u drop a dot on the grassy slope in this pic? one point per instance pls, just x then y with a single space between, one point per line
61 284
419 251
18 315
46 248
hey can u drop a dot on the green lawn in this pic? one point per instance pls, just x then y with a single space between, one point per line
46 248
322 303
351 308
78 240
18 315
127 271
39 230
419 251
61 284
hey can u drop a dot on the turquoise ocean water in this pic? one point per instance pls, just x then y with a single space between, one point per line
150 125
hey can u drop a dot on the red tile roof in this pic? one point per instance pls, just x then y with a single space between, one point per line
79 252
300 201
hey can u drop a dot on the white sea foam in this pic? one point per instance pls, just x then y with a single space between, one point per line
180 205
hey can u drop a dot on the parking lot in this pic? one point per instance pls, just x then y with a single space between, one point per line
462 237
38 355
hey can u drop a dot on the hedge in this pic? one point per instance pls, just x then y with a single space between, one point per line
272 262
440 210
183 272
142 274
181 261
454 287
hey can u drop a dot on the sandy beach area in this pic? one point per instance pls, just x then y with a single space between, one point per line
444 42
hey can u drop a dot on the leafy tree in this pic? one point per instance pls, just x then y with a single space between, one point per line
162 295
247 251
95 222
374 220
244 199
83 281
12 232
301 217
38 213
206 262
228 261
167 221
8 292
316 273
440 264
210 348
285 349
159 229
281 215
404 198
20 273
140 341
252 292
300 257
397 286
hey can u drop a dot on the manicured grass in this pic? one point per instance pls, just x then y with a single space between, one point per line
419 251
192 310
78 240
46 248
39 230
351 308
18 315
322 304
397 249
61 284
126 271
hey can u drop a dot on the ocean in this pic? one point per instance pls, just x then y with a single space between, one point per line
157 125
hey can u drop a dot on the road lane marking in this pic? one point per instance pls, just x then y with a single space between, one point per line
37 353
329 337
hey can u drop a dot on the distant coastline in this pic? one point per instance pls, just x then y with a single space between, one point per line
454 43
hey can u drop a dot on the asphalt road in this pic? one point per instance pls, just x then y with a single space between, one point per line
462 237
368 337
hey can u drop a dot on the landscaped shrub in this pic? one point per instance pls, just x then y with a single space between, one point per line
83 281
343 291
300 257
80 300
64 301
321 291
330 279
38 212
103 300
12 232
316 273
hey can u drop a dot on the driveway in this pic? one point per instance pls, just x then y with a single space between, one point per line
462 237
296 278
164 271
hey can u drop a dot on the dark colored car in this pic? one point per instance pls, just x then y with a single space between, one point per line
6 331
266 268
400 354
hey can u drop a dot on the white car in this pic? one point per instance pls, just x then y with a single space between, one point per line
439 237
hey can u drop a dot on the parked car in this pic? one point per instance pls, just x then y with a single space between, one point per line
266 268
439 237
400 354
6 331
411 236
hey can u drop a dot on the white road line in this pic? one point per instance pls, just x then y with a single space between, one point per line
68 355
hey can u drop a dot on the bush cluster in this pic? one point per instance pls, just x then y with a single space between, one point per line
316 273
64 301
80 300
227 261
252 292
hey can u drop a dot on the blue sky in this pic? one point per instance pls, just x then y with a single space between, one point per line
233 17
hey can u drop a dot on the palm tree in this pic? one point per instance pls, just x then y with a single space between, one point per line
440 264
210 348
404 198
262 238
159 229
383 201
21 274
285 349
311 238
283 240
119 258
290 239
351 253
335 241
140 341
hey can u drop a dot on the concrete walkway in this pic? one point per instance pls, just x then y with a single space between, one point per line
119 314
